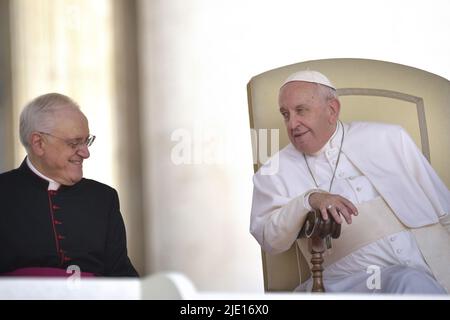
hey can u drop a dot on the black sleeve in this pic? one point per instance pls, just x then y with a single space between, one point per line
117 262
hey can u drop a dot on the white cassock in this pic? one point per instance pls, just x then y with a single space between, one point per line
379 163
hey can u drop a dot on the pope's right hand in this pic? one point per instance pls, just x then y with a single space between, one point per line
334 205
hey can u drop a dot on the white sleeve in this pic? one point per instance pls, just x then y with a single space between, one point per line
276 219
427 178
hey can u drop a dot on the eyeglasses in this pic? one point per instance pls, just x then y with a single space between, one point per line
75 144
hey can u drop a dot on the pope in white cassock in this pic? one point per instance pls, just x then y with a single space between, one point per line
371 178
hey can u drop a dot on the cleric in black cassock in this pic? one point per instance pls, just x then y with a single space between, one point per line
50 216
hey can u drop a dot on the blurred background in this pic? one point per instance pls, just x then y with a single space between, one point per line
163 84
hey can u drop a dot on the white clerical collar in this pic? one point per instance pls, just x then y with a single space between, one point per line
53 185
331 143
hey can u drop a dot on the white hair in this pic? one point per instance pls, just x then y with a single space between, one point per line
37 115
326 92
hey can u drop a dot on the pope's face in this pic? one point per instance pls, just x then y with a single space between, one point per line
309 117
60 160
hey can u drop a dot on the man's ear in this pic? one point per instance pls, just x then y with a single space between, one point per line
334 107
36 143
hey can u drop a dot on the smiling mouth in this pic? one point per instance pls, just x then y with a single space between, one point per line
300 134
76 162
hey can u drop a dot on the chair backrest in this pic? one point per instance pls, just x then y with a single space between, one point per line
369 90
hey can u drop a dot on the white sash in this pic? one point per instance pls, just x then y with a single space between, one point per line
375 221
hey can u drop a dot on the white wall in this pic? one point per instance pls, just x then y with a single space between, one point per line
197 57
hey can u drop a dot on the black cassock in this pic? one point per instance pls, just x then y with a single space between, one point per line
77 225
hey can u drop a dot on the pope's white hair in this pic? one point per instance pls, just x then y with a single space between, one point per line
326 92
37 115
